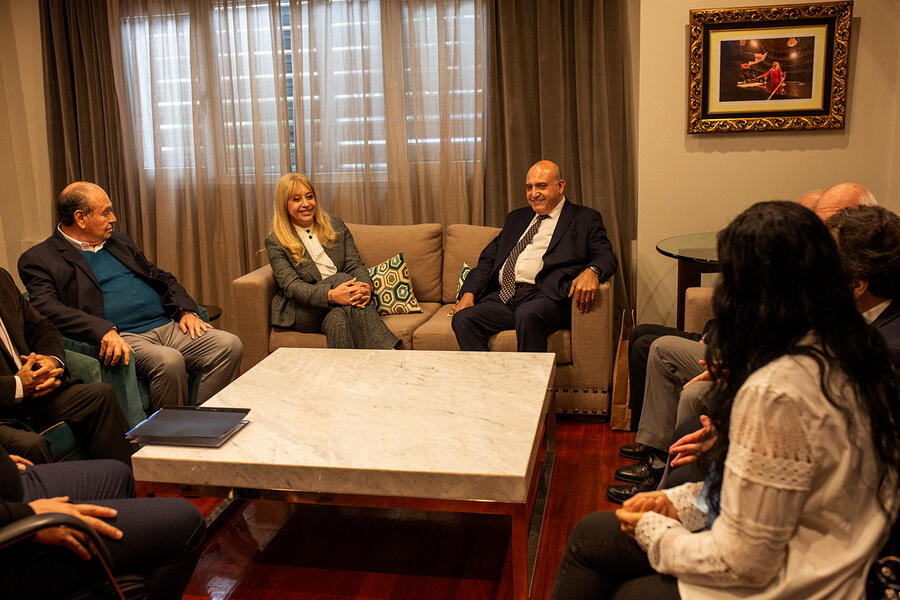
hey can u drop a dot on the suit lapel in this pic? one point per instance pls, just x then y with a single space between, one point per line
121 252
70 254
566 215
888 314
307 269
510 241
13 323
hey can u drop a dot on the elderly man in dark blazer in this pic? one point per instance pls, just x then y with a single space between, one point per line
94 284
546 253
35 392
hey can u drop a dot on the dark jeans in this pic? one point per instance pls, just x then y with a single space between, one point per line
163 537
533 315
602 562
642 337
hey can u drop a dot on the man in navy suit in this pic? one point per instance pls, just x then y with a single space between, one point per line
869 240
93 283
35 391
546 254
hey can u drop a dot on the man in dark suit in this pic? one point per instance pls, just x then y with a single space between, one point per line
869 240
94 284
545 254
159 538
35 392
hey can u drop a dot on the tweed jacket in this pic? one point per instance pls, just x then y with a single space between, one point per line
300 286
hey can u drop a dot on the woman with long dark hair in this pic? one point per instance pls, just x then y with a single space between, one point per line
802 477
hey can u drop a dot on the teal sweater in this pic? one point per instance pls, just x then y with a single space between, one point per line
128 300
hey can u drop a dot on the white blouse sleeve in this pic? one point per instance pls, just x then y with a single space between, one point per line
768 473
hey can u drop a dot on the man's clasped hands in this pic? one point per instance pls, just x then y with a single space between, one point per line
40 375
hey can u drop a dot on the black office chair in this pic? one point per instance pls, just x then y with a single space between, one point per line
123 587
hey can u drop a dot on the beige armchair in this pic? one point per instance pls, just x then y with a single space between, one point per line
697 308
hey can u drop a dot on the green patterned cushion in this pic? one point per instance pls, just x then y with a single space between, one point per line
393 291
462 279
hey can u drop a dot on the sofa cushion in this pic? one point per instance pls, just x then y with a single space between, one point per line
464 272
462 244
280 337
393 293
421 248
437 334
402 326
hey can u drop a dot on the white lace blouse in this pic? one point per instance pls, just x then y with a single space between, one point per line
799 513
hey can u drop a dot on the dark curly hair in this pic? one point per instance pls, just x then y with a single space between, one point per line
782 277
869 239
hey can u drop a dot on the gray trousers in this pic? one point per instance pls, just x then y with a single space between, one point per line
672 362
346 326
164 354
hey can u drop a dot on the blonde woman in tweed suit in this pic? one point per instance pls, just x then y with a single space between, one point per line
323 285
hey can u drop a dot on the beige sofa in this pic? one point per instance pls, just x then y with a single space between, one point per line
435 257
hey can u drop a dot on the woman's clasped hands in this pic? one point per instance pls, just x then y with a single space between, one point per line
351 293
634 508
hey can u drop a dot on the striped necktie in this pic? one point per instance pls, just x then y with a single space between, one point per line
508 281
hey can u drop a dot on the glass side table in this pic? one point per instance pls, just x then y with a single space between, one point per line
696 254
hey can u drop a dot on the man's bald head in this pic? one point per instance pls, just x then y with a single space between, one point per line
809 199
544 186
75 196
841 196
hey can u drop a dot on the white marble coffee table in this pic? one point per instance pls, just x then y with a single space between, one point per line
452 431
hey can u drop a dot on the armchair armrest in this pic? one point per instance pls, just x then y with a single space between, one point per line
83 367
122 378
697 308
592 341
25 528
253 294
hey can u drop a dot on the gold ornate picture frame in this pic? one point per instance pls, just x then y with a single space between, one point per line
768 68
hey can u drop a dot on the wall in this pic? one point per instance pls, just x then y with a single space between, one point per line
26 201
692 183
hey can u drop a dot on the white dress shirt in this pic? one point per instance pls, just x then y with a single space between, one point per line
316 251
874 312
79 244
531 260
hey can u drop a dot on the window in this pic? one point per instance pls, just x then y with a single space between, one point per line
253 81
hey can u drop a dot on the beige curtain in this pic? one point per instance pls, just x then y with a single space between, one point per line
204 89
380 103
390 97
557 90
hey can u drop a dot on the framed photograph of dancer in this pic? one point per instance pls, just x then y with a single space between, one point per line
769 68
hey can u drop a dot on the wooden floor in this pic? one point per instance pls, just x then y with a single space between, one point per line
270 550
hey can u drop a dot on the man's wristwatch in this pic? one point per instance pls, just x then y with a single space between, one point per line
596 270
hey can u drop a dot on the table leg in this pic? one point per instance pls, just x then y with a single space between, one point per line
519 550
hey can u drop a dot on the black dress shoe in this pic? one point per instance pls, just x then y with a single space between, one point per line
635 451
640 470
621 493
